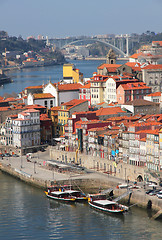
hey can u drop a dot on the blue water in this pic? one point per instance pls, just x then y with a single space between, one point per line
26 213
37 76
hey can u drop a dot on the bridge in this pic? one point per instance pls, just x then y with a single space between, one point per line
63 43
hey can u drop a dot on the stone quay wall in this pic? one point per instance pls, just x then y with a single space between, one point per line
121 170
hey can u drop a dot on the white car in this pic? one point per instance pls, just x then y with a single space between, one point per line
159 195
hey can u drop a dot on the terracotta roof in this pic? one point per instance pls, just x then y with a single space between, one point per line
151 66
157 42
142 140
4 108
43 95
156 94
56 108
69 86
109 111
141 102
86 85
134 86
34 106
134 65
34 87
13 116
135 55
110 67
44 117
30 110
74 102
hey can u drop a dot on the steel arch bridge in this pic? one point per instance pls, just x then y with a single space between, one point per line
97 40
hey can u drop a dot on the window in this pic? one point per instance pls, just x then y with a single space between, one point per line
51 103
45 103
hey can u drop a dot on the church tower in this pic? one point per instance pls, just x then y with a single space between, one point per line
111 57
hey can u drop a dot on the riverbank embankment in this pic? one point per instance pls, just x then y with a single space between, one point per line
38 173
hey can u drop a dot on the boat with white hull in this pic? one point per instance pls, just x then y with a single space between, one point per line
100 202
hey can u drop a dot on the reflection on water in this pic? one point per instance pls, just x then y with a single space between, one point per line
26 213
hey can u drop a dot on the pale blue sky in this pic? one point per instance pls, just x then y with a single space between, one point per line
86 17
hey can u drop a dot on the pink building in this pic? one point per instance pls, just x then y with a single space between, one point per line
132 91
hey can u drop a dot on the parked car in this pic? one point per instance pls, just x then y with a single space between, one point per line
7 155
154 192
42 150
15 155
149 191
159 194
1 155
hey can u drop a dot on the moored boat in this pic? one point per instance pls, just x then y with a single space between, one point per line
77 194
100 202
58 195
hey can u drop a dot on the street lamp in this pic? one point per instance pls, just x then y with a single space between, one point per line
21 158
53 173
34 167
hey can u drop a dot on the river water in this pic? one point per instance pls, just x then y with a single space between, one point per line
37 76
26 213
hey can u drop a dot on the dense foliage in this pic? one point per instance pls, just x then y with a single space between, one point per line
20 45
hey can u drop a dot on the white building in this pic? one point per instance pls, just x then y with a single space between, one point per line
110 91
26 129
44 99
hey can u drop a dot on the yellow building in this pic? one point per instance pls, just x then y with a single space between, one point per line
63 115
53 113
67 109
71 74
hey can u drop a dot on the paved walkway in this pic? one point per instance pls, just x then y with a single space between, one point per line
37 168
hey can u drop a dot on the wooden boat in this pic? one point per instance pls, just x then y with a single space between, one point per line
100 202
77 194
61 196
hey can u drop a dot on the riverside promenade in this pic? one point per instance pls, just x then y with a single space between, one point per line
38 173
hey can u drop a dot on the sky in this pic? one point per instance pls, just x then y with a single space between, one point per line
64 18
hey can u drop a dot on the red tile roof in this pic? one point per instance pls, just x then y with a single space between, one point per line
134 86
86 85
34 106
4 109
109 111
141 102
156 94
110 67
43 95
135 55
44 117
157 42
134 65
74 102
151 66
34 87
68 86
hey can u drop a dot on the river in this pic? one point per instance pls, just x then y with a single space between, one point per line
37 76
26 213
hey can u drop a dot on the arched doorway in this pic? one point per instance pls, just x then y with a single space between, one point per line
139 178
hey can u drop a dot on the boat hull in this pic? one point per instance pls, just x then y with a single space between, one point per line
60 199
115 211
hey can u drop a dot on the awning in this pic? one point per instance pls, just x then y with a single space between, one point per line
57 139
62 146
